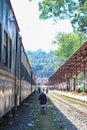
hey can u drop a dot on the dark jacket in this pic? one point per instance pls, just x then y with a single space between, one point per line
43 99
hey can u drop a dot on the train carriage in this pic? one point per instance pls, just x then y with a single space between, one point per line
8 33
15 70
33 82
25 75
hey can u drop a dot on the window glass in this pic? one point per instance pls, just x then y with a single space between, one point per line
10 53
6 16
5 48
1 8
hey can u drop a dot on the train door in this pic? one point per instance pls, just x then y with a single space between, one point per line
0 42
17 72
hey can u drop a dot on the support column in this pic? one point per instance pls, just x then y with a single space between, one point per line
74 84
76 81
84 78
69 84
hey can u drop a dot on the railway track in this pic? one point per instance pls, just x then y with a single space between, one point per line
76 113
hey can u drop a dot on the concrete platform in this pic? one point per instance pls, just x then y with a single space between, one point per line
73 95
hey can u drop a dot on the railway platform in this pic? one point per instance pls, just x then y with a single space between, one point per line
78 96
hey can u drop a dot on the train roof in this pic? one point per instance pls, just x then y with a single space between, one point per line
9 3
74 65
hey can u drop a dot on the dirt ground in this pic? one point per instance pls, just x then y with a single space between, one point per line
29 117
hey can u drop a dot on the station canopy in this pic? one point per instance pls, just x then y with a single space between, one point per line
73 66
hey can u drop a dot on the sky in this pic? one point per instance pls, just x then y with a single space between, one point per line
36 34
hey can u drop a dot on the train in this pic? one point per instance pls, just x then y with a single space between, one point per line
17 80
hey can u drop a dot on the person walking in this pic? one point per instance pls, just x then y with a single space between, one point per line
46 89
39 90
43 101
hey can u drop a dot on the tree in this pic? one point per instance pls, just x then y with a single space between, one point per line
43 64
67 45
74 10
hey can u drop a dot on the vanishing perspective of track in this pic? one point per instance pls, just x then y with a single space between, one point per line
74 112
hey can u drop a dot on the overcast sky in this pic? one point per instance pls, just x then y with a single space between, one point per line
36 34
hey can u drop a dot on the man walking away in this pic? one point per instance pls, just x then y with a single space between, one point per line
43 101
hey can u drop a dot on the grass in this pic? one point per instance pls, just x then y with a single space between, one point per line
44 122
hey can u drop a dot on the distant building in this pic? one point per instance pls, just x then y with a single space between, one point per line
41 81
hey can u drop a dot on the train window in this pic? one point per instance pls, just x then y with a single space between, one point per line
0 9
0 41
6 16
1 4
5 49
10 53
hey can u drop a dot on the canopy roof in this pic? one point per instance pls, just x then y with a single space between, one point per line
74 65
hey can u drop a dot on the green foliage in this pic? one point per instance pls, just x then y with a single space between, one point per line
67 44
74 10
56 8
43 64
